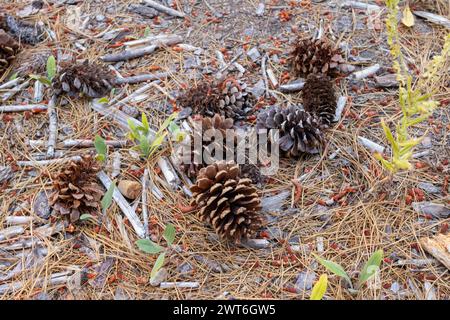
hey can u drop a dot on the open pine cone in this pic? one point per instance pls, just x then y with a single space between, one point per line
88 79
75 189
200 126
8 49
319 97
227 202
230 98
299 131
315 56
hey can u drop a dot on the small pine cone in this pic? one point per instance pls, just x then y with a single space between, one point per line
200 126
299 131
315 56
319 97
31 62
8 49
230 98
86 79
228 203
75 189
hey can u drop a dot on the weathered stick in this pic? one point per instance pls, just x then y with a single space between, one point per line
230 63
55 279
272 77
434 18
339 108
38 94
11 232
116 162
264 74
144 202
170 285
293 86
52 127
360 5
124 205
47 162
15 220
15 90
367 72
136 53
438 247
372 146
142 78
160 7
137 92
169 173
26 107
80 143
10 83
156 40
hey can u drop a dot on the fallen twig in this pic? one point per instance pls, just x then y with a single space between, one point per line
160 7
79 143
364 73
293 86
372 146
144 202
124 205
170 285
14 90
434 18
47 162
26 107
142 78
52 127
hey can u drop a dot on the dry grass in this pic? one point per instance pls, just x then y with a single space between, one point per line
374 216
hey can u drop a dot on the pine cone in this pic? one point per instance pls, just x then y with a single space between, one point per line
315 56
230 98
25 32
319 97
200 125
227 202
8 49
87 79
31 62
299 131
75 189
251 171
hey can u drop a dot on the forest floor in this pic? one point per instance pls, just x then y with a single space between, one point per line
348 206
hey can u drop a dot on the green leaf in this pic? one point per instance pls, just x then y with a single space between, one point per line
100 146
100 157
167 121
145 123
371 267
41 79
158 265
334 268
107 198
86 216
51 67
103 100
169 233
147 32
144 146
13 76
148 246
319 288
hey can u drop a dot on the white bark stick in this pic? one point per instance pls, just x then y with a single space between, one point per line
169 173
15 220
117 160
137 92
152 40
124 205
372 146
264 74
160 7
360 5
15 90
434 18
144 202
142 78
55 279
292 86
367 72
38 93
272 77
52 127
342 101
11 232
136 53
47 162
26 107
170 285
80 143
10 83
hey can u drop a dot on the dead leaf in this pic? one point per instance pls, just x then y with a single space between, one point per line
408 18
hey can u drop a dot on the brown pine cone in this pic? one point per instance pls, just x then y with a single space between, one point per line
227 202
230 98
319 97
315 56
8 50
299 131
200 126
75 189
88 79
